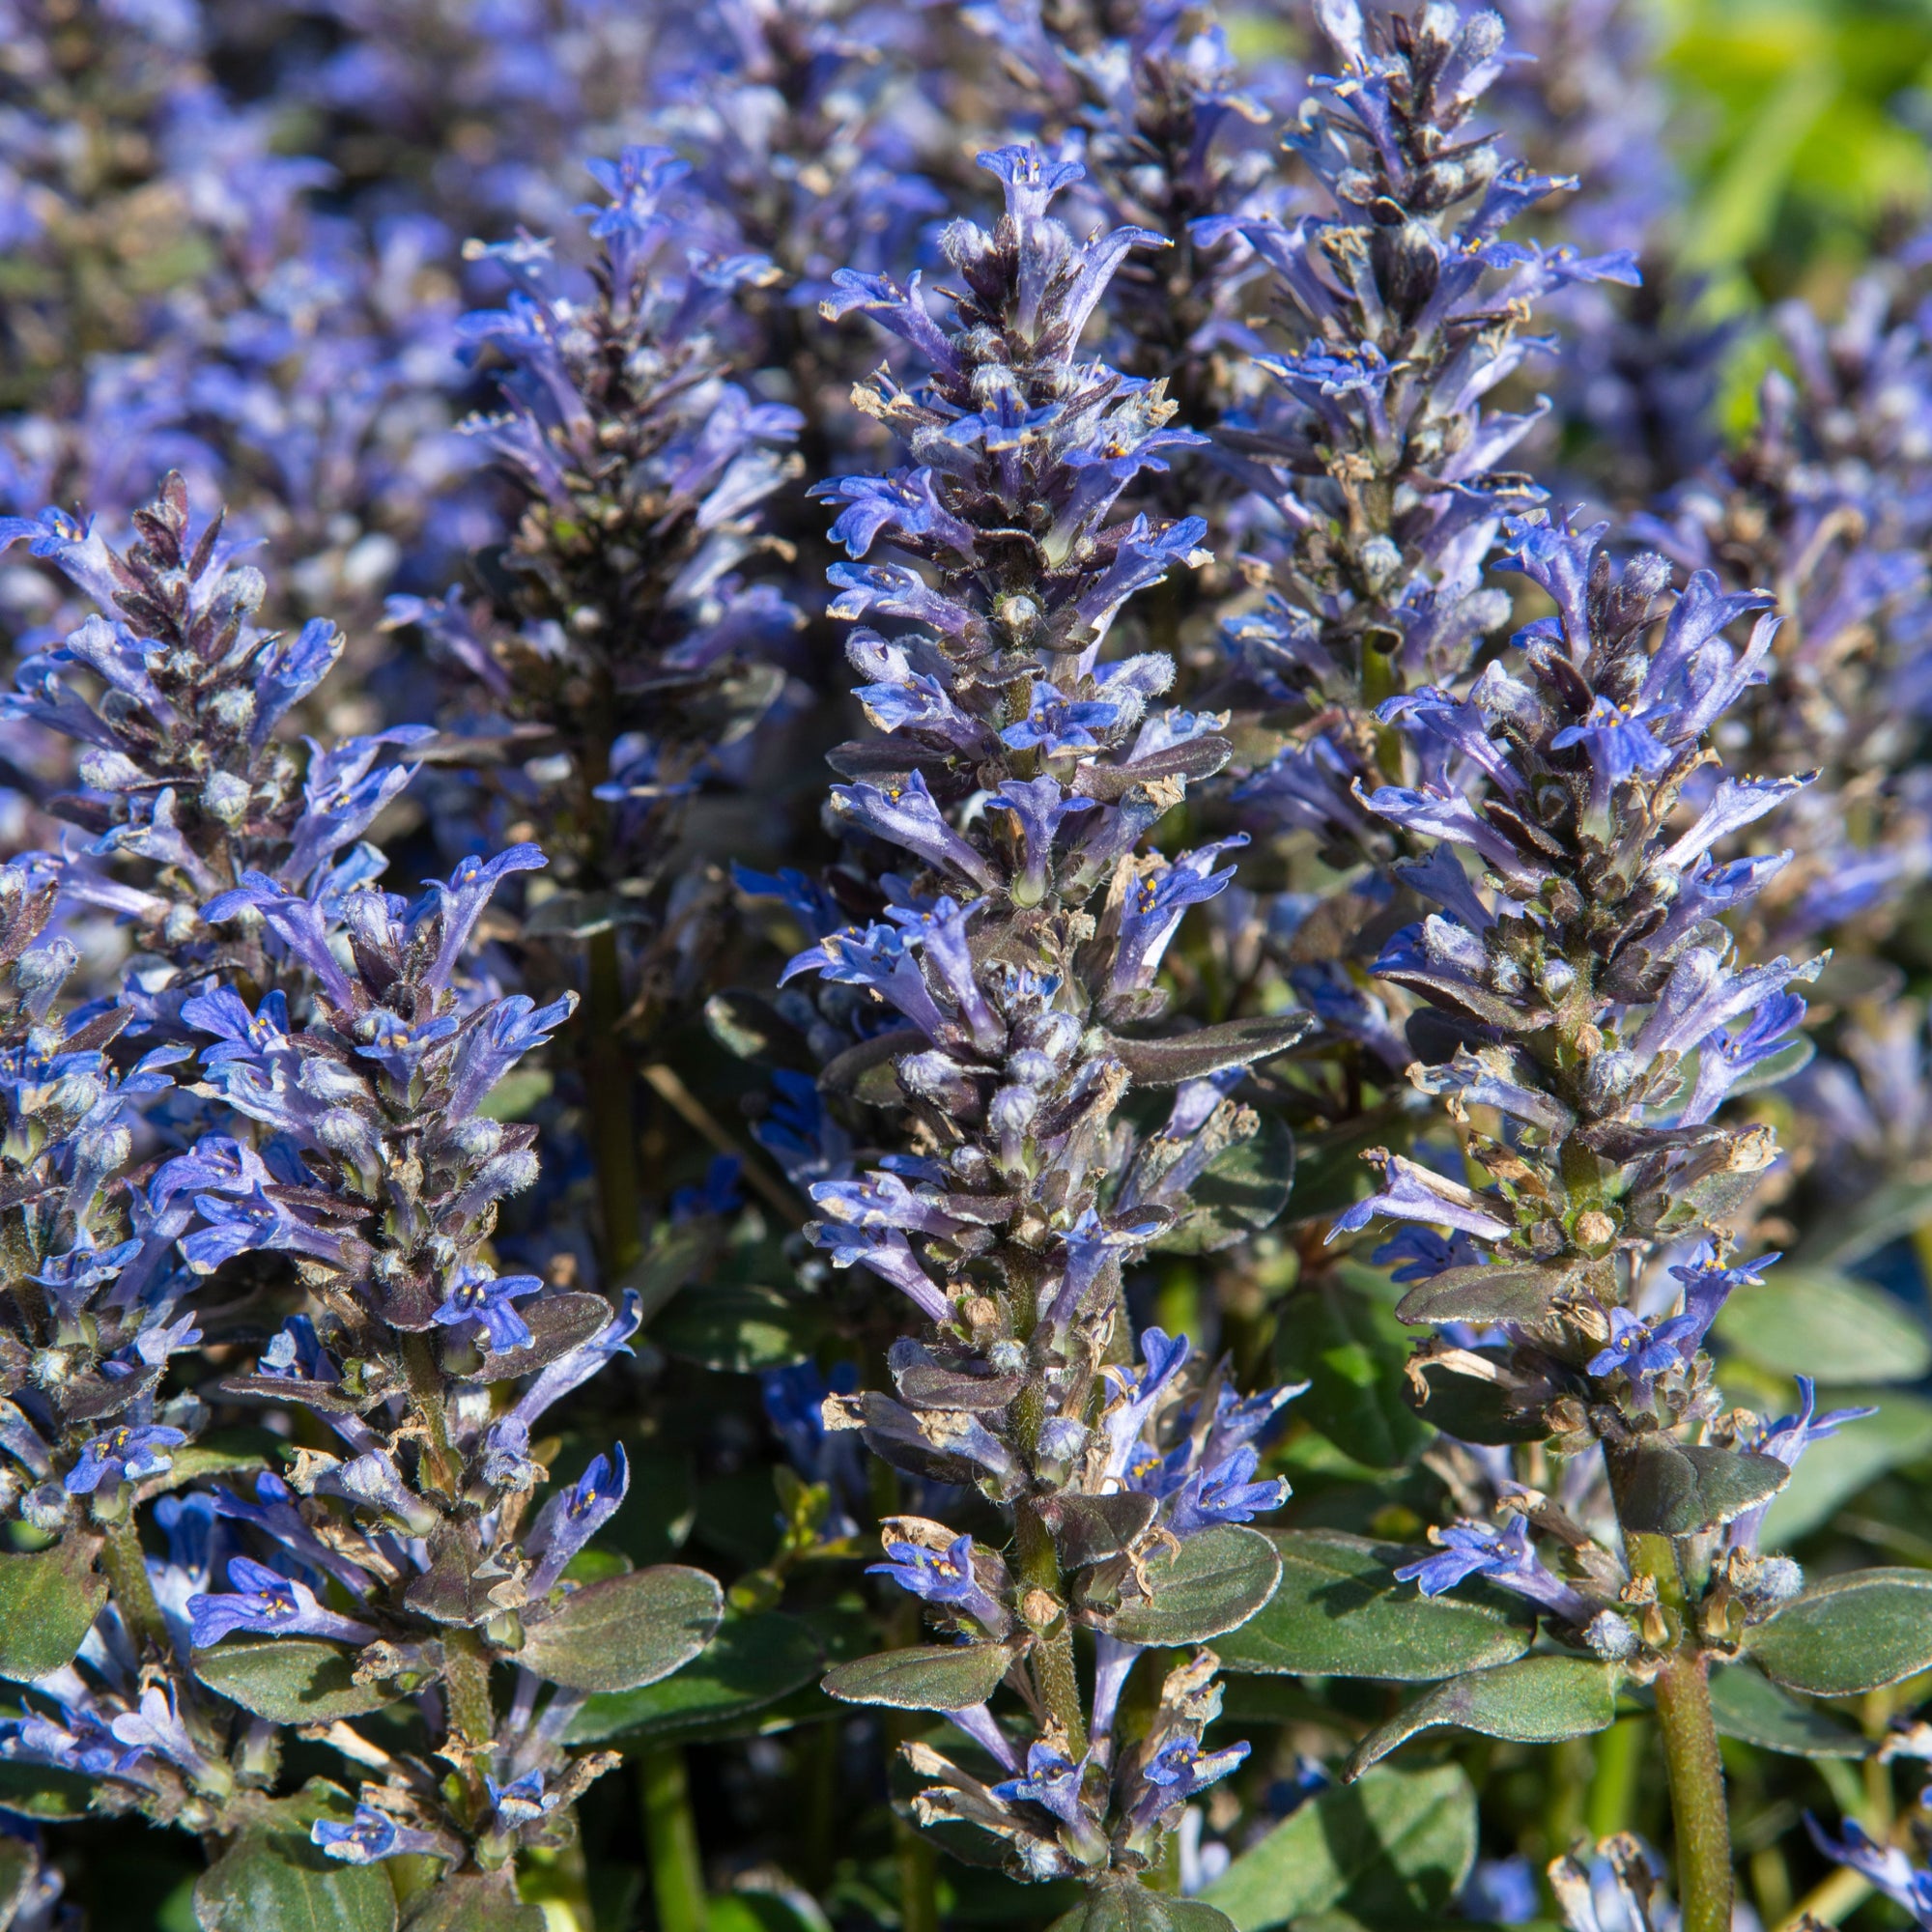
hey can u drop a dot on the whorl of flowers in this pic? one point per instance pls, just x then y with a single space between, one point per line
1584 997
184 781
1827 504
1021 1190
1152 101
1384 466
643 469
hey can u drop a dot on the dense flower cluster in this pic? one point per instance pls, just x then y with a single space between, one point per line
837 1304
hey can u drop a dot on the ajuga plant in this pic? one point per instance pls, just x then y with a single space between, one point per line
632 658
1567 1228
1404 307
1174 139
1009 977
1824 503
348 1049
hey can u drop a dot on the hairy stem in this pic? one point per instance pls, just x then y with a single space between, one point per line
1038 1569
425 1375
670 1836
1705 1885
465 1682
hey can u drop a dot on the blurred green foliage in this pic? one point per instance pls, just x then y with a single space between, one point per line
1800 126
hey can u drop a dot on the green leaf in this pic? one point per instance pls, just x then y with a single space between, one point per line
476 1902
752 1663
1339 1612
1471 1408
1828 1327
1395 1847
1212 1585
48 1603
289 1680
738 1330
1682 1488
1485 1293
1120 1905
271 1879
1353 1354
929 1677
1749 1707
1212 1049
1849 1633
625 1632
1887 1212
1329 1172
1243 1189
1835 1467
38 1790
1090 1529
1534 1700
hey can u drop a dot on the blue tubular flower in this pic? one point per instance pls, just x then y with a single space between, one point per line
1052 1782
945 1577
128 1453
1414 1193
371 1836
274 1605
1154 904
903 500
570 1521
907 815
1618 742
523 1801
888 1254
1503 1557
1640 1352
476 1294
1885 1867
1180 1770
1225 1493
877 957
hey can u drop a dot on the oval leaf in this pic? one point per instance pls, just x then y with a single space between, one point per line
1397 1848
752 1663
1751 1708
289 1680
1828 1327
1485 1293
48 1603
1683 1488
1241 1190
1120 1905
1212 1585
1213 1049
930 1677
1849 1635
1534 1700
477 1902
625 1632
271 1879
1339 1612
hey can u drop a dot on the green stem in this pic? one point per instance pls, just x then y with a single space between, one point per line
1053 1673
1705 1886
609 1089
465 1682
670 1836
425 1375
1611 1801
134 1594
